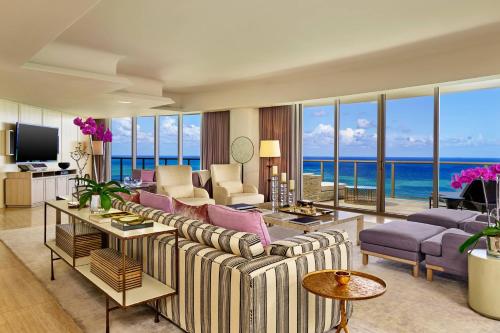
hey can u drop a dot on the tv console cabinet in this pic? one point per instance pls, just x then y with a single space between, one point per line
33 188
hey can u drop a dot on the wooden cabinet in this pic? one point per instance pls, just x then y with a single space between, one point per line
29 189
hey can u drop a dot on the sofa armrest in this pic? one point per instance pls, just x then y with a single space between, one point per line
221 194
247 188
200 193
274 290
302 244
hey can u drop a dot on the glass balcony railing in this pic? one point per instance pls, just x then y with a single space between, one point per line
122 166
406 179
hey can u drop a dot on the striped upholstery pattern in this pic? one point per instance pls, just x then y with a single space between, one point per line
243 244
301 244
223 292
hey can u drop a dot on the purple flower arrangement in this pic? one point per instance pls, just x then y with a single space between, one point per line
90 127
468 175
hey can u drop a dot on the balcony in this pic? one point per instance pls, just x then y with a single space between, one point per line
122 166
408 182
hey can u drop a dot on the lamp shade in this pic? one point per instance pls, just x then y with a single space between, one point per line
270 148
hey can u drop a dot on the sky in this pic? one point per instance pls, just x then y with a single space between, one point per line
122 129
469 127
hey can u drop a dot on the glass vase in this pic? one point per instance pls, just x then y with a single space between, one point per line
95 204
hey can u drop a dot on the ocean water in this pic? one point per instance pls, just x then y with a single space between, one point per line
412 181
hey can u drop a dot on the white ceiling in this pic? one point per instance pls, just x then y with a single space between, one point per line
87 55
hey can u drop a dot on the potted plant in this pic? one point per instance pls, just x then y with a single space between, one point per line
492 231
100 194
98 134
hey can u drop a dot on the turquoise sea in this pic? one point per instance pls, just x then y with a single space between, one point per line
412 180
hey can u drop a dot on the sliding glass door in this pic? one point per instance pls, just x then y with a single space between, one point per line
469 132
145 133
191 140
121 148
358 155
169 140
317 148
409 153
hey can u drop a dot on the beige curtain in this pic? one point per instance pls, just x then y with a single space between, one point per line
277 123
214 138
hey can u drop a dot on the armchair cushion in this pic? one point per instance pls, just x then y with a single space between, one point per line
179 191
232 186
200 193
246 221
193 212
247 188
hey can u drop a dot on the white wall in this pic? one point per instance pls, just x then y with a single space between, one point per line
11 113
245 122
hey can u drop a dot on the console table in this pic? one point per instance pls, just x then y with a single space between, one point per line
151 289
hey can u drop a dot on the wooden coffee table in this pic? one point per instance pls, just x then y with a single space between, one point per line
325 221
361 286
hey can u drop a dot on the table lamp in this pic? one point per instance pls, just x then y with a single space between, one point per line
269 149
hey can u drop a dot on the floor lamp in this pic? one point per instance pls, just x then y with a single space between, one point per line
269 149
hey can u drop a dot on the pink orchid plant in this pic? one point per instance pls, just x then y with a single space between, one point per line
90 127
468 175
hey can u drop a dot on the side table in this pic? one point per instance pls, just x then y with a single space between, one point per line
484 275
361 286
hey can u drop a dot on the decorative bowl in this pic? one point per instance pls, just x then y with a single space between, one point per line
63 165
342 277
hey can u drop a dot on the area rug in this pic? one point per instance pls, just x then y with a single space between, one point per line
409 305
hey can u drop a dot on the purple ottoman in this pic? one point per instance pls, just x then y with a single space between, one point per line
442 255
399 241
448 218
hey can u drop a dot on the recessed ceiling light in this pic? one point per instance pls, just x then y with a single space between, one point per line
125 102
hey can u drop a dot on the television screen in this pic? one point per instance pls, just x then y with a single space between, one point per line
36 143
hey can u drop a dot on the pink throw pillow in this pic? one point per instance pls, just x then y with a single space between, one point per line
157 201
245 221
133 196
148 176
193 212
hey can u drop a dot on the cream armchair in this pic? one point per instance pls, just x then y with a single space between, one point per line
176 181
228 188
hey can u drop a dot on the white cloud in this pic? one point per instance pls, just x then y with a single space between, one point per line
353 136
363 123
322 134
168 126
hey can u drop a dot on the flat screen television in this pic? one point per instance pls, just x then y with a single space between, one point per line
36 143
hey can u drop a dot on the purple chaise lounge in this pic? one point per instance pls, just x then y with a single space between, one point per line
399 241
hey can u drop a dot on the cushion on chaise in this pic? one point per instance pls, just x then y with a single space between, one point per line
447 218
399 235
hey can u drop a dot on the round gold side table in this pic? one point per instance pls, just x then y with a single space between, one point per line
484 276
361 286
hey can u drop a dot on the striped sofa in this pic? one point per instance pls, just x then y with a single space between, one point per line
229 283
